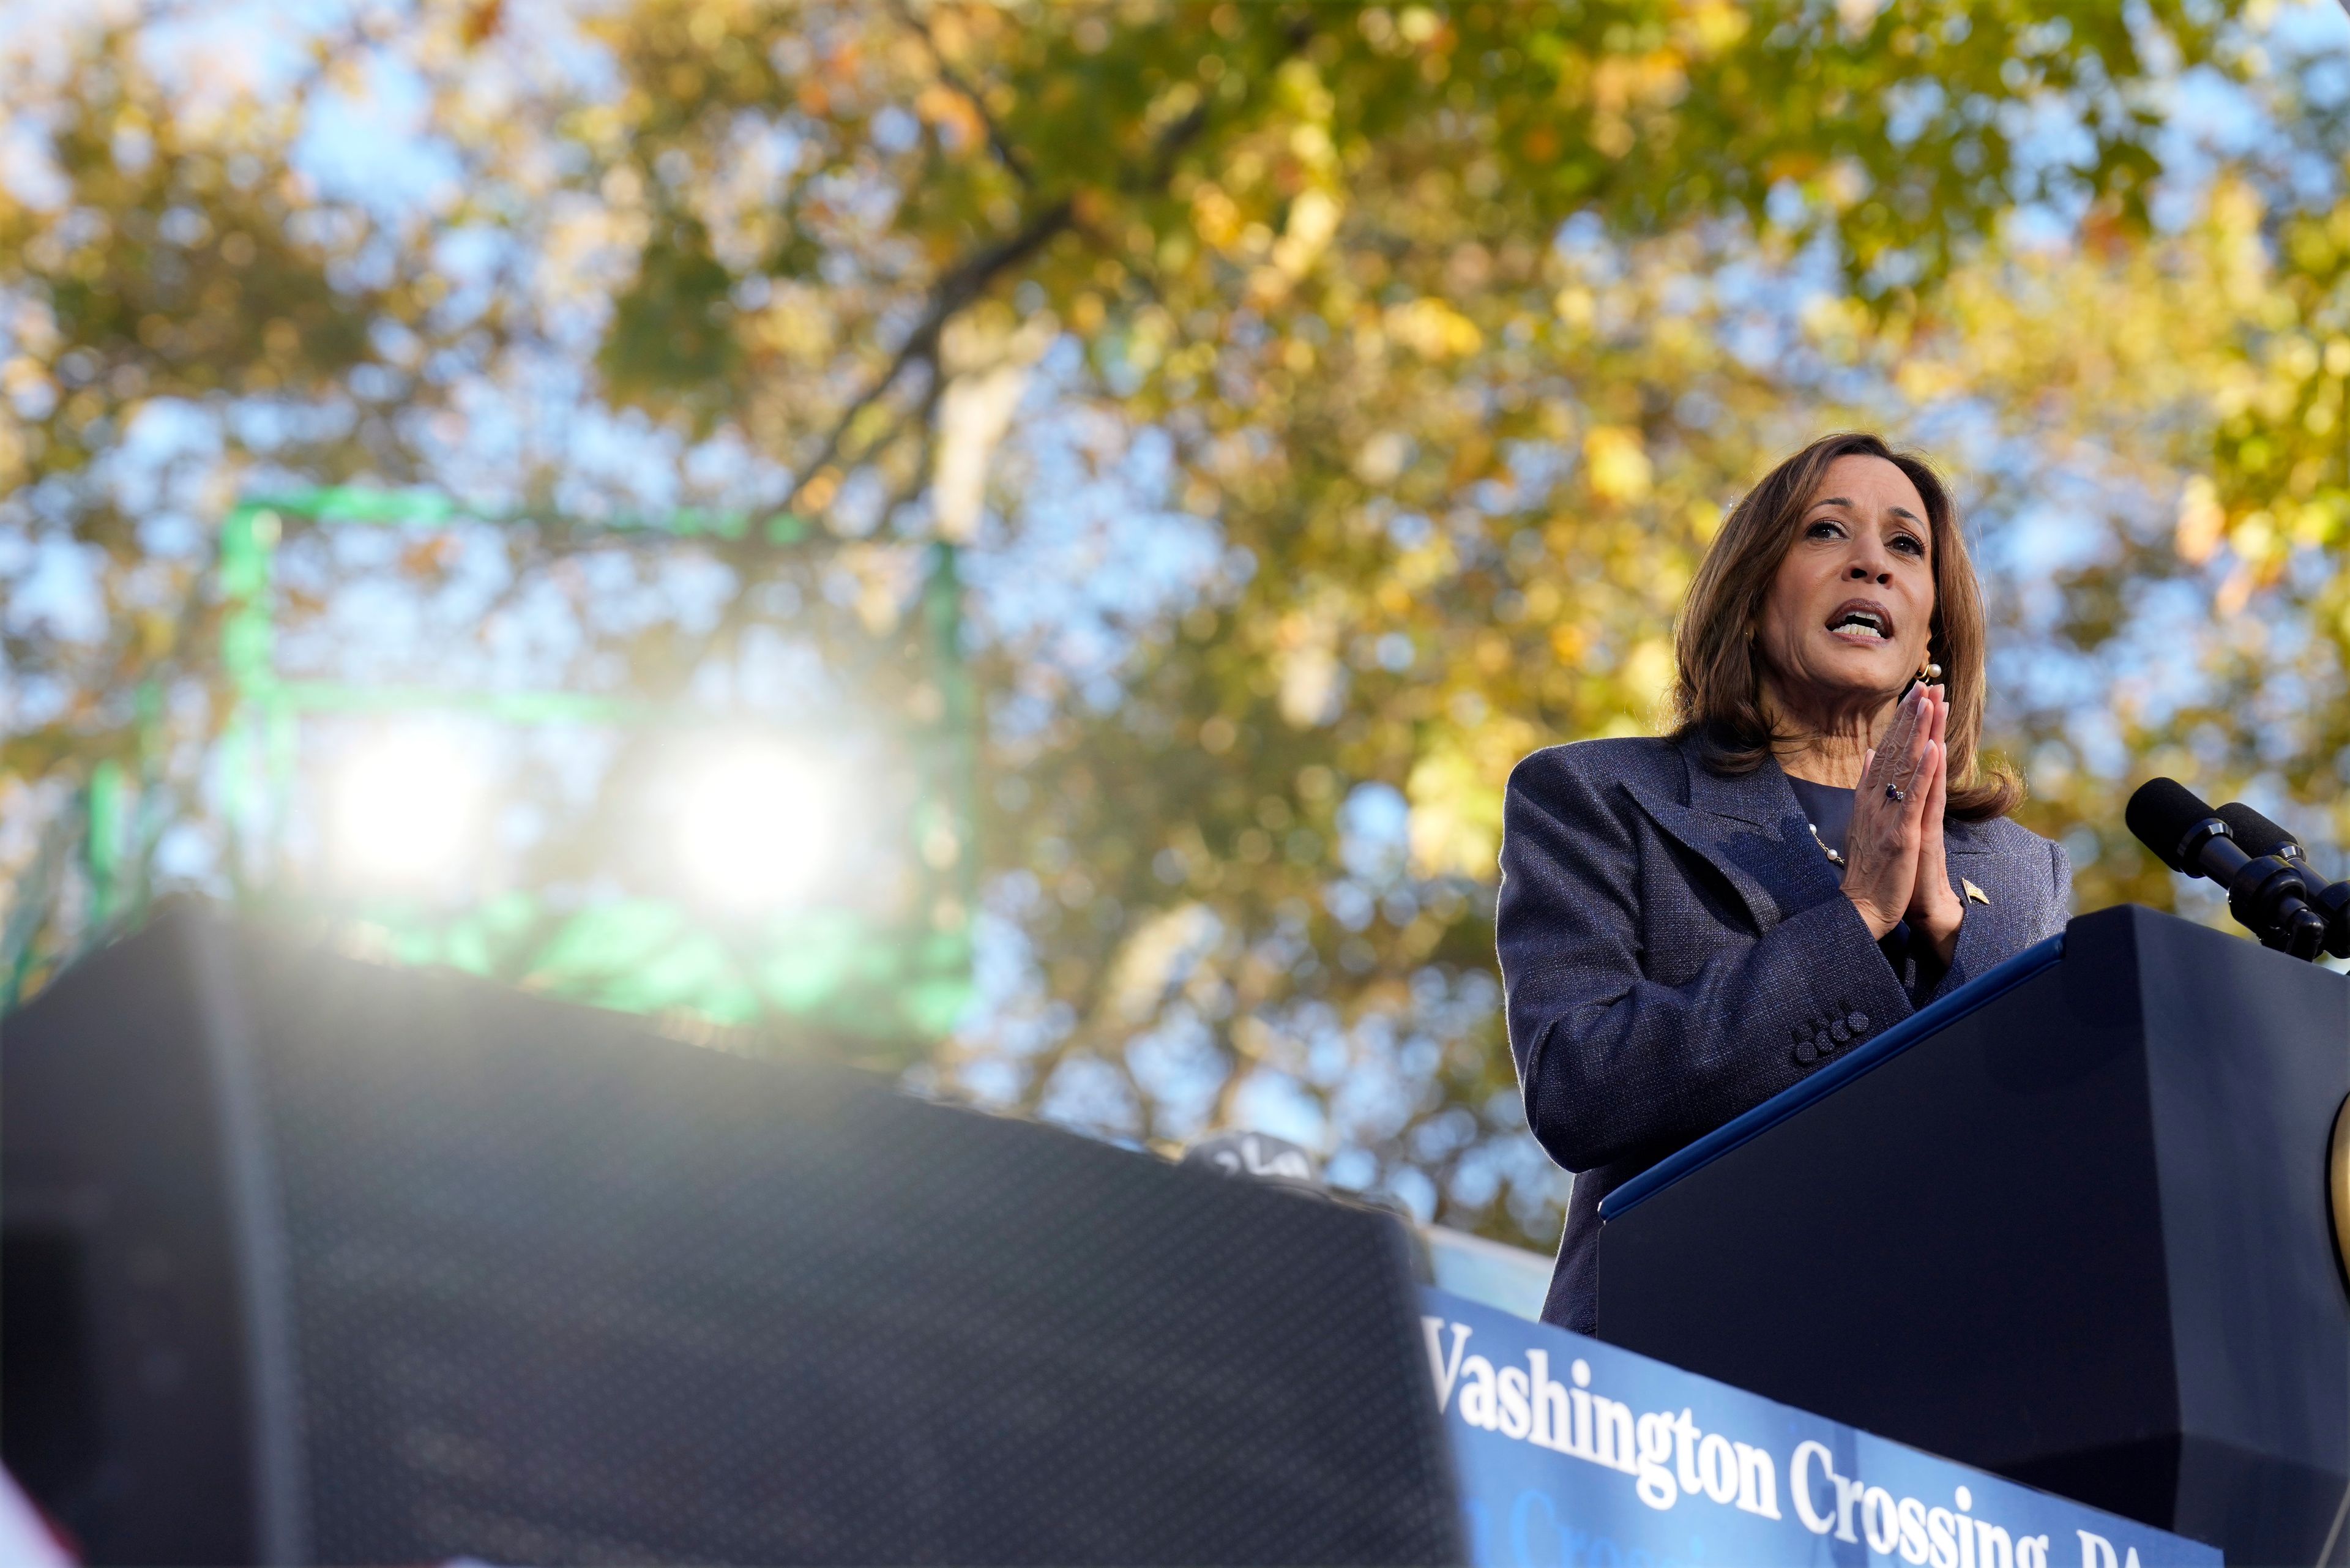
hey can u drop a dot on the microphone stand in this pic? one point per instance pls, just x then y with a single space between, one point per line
2331 900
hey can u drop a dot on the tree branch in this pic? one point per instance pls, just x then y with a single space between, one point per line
959 288
1005 153
966 281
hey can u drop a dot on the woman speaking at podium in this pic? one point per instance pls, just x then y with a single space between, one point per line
1690 924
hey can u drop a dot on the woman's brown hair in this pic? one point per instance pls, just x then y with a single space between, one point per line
1718 681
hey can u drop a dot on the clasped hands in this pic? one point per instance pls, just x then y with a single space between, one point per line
1894 867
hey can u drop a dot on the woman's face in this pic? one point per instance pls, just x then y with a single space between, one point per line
1849 614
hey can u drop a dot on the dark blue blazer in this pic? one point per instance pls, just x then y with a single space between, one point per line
1676 948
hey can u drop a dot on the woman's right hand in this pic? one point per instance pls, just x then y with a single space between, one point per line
1880 847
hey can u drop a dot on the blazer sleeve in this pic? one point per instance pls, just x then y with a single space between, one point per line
1611 1062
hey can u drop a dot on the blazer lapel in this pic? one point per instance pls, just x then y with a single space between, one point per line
1965 839
1977 875
1750 829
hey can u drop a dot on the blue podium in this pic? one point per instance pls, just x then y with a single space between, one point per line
2071 1225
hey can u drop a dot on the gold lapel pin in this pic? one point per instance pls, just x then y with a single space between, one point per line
1974 894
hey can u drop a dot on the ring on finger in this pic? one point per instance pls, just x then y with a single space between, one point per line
1895 793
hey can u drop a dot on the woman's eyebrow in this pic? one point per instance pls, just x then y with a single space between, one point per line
1905 512
1832 501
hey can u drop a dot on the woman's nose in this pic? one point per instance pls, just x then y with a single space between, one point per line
1868 571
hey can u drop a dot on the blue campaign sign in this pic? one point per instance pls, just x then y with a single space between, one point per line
1572 1452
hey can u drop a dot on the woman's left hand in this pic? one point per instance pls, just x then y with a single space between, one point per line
1935 911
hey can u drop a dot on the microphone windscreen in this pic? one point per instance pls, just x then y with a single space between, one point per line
2257 834
2161 814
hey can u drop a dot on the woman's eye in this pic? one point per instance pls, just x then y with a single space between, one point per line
1908 545
1824 529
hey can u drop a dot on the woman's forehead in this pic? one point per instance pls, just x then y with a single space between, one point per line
1869 483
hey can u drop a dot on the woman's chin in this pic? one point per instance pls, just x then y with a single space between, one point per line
1859 675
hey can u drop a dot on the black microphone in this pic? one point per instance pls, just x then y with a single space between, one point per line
2259 835
2265 892
2165 815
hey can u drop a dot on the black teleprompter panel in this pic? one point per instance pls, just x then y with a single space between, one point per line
2079 1237
376 1265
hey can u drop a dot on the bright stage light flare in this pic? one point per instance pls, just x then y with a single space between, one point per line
756 825
405 809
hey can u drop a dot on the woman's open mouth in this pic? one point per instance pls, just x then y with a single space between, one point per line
1861 621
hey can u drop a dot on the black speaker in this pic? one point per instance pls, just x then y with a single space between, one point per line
312 1259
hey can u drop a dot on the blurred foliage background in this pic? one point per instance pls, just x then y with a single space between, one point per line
1328 404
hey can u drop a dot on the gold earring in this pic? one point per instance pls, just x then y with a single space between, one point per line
1930 672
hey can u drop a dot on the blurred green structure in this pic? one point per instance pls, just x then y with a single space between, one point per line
895 984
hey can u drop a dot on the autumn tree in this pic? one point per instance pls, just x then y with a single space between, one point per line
1328 405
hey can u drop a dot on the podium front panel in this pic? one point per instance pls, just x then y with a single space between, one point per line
2078 1235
